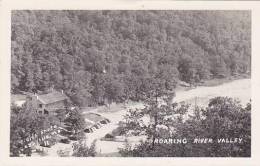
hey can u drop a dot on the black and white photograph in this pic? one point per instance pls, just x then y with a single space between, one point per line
130 83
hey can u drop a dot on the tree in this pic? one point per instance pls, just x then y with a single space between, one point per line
114 91
25 122
187 69
95 56
76 121
82 150
98 92
61 114
219 68
81 51
223 118
160 113
81 88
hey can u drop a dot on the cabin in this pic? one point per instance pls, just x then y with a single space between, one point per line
18 100
50 102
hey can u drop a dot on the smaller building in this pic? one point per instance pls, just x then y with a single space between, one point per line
50 102
18 100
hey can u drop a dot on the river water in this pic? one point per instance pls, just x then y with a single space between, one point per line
239 89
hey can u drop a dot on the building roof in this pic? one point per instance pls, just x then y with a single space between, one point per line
52 97
18 99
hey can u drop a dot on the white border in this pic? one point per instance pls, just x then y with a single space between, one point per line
7 6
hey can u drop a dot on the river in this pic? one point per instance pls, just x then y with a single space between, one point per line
239 89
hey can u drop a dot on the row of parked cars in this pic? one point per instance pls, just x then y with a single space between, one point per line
93 122
67 133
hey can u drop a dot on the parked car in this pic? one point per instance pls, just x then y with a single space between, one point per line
47 143
88 131
73 138
65 133
76 137
65 141
68 128
105 121
97 126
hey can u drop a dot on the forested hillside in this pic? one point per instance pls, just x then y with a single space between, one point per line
99 56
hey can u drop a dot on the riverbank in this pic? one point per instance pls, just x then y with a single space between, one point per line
212 82
200 96
220 81
240 89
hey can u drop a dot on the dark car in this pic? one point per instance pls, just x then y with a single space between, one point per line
47 143
105 121
65 133
75 137
65 141
68 128
88 131
97 126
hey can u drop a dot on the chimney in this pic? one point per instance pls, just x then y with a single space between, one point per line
62 92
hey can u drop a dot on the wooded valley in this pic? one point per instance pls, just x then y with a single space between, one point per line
114 56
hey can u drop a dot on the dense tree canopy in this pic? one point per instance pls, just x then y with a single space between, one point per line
24 123
99 55
223 118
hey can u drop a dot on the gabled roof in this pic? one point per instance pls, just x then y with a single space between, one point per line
18 97
52 97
